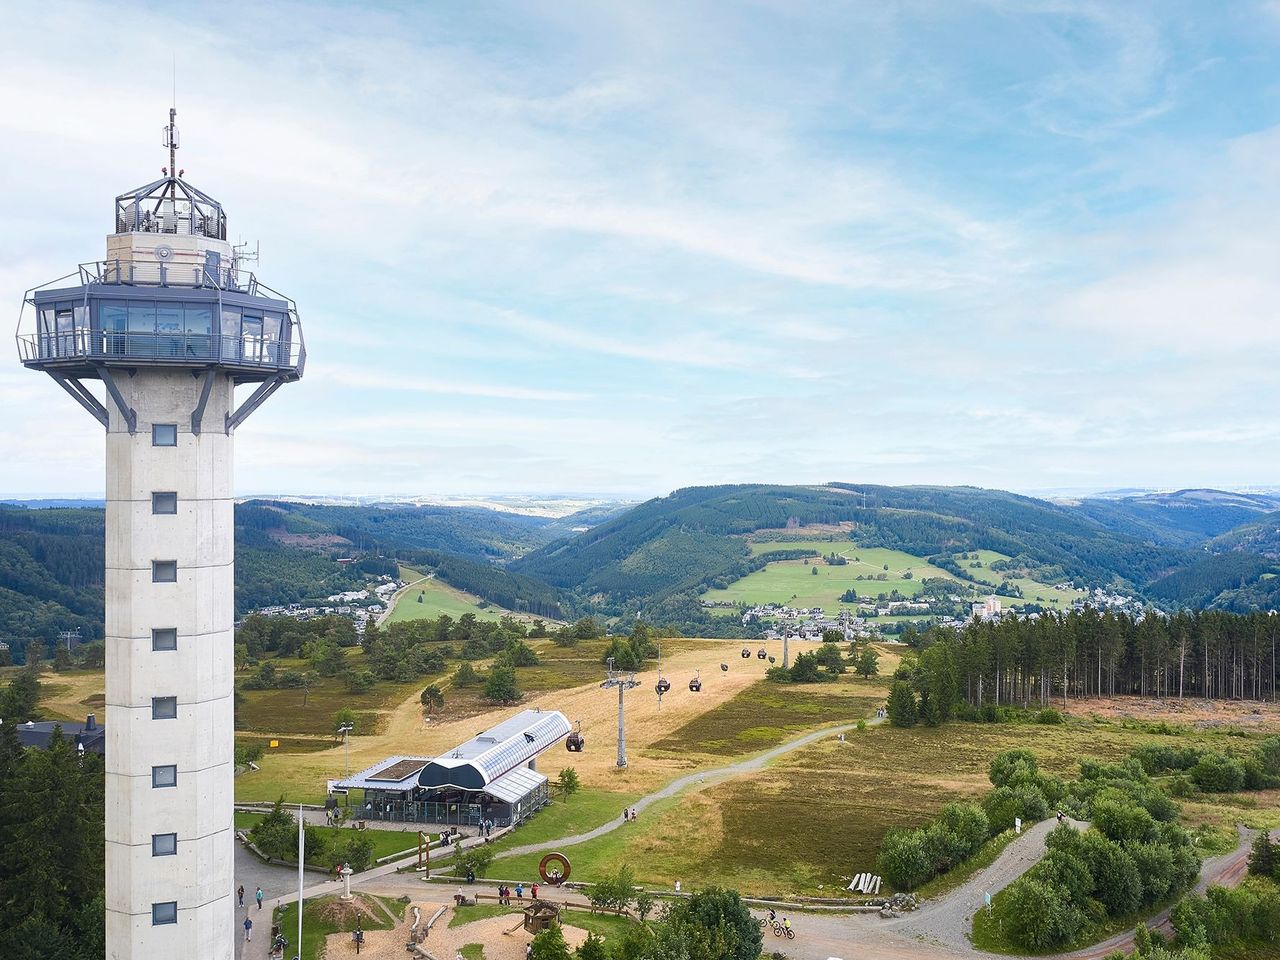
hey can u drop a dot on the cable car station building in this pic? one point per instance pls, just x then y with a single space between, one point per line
492 776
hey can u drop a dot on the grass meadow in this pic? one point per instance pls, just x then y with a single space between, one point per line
794 582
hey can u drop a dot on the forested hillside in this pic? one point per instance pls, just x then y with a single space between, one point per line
662 554
51 560
1183 518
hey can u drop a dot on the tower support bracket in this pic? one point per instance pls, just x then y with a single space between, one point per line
197 415
126 411
80 393
254 401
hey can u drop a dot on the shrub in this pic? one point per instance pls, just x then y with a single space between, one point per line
1155 868
466 676
1006 766
1049 716
1004 804
1217 773
1119 819
903 860
1039 915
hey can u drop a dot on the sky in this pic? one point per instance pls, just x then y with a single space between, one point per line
621 248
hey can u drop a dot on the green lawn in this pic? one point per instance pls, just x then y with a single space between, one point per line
439 598
478 911
385 842
472 951
583 811
607 926
328 915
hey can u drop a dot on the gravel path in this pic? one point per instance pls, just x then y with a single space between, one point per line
948 920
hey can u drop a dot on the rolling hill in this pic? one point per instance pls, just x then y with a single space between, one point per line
660 556
1183 518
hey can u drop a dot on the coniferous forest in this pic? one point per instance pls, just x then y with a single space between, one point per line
1020 662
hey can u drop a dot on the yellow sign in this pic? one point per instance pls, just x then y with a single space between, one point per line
275 743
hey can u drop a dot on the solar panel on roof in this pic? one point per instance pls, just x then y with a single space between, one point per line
398 770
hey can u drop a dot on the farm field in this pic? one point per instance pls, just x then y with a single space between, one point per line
794 582
816 817
438 598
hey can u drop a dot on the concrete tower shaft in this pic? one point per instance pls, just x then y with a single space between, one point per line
169 638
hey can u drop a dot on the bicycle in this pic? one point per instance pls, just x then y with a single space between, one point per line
780 931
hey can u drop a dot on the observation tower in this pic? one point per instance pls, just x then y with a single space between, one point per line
170 326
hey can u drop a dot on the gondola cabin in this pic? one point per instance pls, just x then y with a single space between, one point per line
746 654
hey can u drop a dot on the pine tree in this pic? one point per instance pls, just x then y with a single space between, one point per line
1262 858
902 705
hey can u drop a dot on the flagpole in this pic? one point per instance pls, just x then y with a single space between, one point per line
301 851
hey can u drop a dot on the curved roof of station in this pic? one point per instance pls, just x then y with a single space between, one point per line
497 751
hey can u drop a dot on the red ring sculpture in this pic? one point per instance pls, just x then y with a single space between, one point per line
553 878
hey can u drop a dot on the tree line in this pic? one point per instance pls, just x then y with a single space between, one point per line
1018 661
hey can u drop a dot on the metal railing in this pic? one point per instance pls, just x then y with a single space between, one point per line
176 347
143 274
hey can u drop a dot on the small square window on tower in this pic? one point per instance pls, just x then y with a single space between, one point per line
164 844
164 708
165 776
162 913
164 571
164 434
165 501
164 638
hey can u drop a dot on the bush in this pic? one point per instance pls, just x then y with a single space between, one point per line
1004 804
1217 773
1039 915
1049 716
903 860
1119 819
1011 764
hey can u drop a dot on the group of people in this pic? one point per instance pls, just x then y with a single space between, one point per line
486 828
881 713
773 919
504 893
629 814
248 921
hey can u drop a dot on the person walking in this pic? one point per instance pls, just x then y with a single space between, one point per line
533 891
240 894
633 814
248 929
520 891
258 896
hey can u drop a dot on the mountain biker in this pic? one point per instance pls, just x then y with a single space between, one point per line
772 915
786 924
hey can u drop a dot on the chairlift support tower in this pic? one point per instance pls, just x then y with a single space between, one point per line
624 680
170 326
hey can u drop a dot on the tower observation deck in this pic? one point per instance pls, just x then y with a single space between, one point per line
170 325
